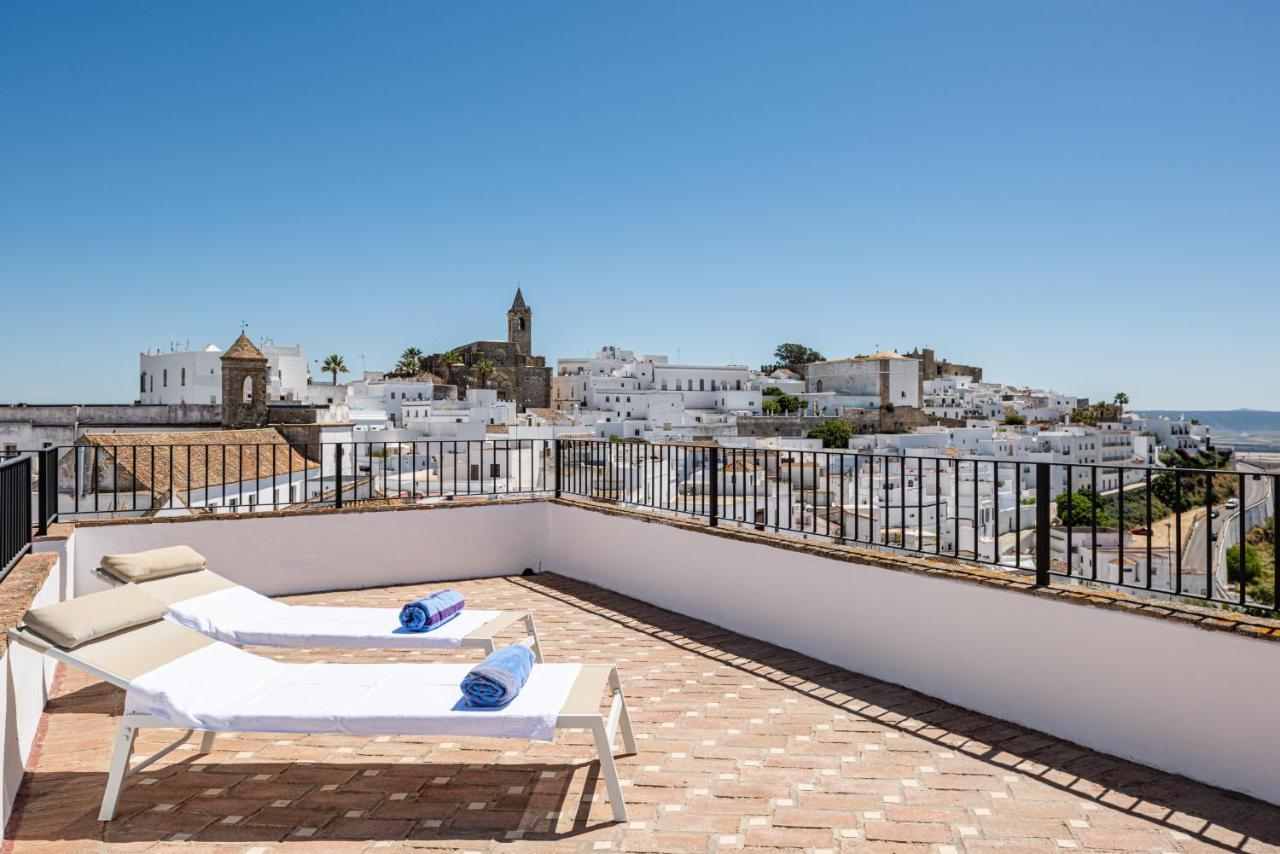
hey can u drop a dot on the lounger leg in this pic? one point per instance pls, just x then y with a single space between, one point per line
206 742
119 768
624 717
609 770
533 633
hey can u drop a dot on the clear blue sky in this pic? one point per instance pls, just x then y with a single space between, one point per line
1084 195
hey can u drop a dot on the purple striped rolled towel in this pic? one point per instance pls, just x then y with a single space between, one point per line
423 615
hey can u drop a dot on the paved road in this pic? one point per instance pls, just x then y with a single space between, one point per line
1194 557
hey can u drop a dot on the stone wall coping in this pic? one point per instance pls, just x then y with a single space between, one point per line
19 589
57 531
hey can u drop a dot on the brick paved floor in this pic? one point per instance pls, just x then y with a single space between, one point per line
743 746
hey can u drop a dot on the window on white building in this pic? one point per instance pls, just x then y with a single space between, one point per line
164 380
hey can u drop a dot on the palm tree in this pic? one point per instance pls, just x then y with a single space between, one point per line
453 357
334 365
1120 400
484 368
410 362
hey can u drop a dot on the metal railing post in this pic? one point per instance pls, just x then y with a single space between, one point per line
337 490
558 465
43 472
714 488
1043 523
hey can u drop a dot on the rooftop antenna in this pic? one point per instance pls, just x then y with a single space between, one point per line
244 325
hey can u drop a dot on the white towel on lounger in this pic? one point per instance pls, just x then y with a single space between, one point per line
220 688
244 617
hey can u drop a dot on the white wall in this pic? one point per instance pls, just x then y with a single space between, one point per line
28 676
332 551
1179 698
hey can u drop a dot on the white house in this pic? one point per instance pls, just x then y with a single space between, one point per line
195 376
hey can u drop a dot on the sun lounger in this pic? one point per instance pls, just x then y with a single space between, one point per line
200 599
174 677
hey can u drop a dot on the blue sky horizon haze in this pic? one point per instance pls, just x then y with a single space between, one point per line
1083 196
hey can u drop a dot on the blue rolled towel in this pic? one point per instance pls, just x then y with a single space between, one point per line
424 614
496 680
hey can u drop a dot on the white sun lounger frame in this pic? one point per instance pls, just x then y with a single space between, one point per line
581 711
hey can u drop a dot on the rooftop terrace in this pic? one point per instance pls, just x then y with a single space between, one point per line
743 745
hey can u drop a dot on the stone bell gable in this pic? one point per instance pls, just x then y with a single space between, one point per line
244 385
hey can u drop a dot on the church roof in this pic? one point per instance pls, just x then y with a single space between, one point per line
518 303
243 348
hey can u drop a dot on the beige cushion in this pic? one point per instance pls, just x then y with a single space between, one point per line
154 563
179 588
128 655
78 621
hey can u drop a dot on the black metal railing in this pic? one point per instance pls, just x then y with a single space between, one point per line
15 511
1162 531
116 477
47 492
1015 514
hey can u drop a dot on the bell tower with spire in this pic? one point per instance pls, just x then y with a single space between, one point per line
520 324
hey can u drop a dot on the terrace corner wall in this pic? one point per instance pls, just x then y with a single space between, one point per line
28 675
1182 699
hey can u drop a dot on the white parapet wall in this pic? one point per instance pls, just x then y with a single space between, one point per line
305 553
1179 698
28 676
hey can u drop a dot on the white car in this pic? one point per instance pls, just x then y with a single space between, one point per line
1232 503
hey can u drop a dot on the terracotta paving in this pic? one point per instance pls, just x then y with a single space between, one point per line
743 747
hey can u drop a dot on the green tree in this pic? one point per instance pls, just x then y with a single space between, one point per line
789 403
772 391
1077 509
334 365
1252 564
834 433
793 355
1121 400
453 357
1014 419
483 368
770 406
410 362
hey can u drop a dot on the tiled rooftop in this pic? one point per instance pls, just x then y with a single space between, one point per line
743 746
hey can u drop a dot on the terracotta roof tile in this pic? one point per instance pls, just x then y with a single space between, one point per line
198 458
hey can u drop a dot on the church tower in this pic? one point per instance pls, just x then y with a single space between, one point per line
244 385
520 325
